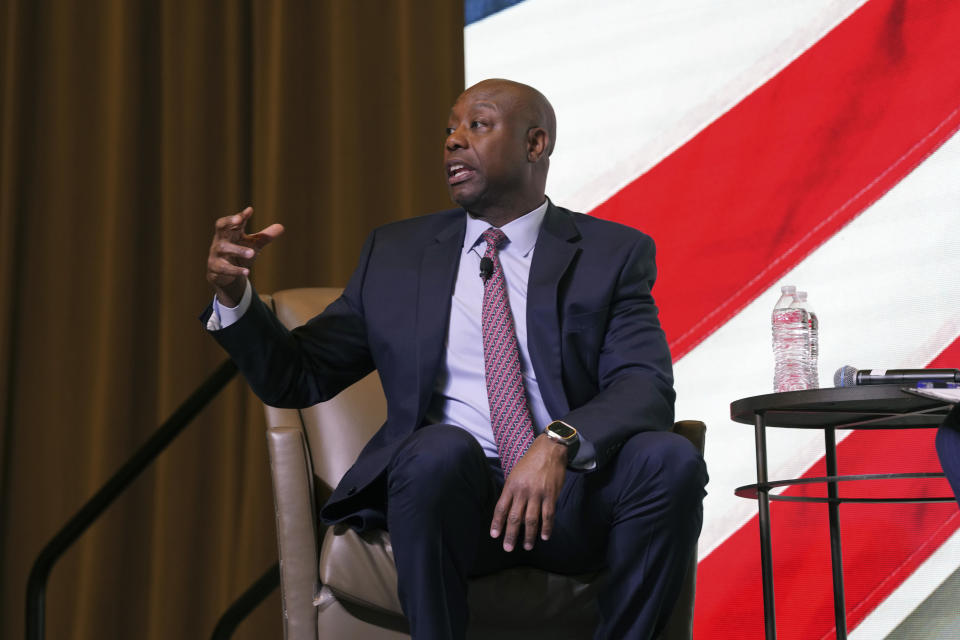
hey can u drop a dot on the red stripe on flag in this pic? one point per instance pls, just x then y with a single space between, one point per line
882 543
755 192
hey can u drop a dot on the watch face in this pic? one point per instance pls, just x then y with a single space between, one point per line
563 430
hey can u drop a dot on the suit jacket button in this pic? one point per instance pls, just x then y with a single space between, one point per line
351 491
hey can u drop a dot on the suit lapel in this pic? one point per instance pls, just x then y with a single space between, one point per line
556 247
438 273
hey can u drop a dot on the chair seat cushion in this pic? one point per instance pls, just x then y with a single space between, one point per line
360 568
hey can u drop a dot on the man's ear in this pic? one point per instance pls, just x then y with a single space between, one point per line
538 141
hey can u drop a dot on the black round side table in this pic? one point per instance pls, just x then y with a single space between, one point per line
866 407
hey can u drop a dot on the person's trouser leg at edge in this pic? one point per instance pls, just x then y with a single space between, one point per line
948 448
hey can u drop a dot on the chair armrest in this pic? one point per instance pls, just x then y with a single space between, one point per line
693 430
296 530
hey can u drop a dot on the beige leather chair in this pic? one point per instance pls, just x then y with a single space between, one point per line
338 584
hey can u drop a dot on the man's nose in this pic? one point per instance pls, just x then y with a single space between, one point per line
455 139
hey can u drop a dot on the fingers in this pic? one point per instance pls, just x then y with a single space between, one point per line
233 225
266 236
232 251
227 261
514 520
227 248
500 514
509 513
515 510
546 523
223 267
272 232
531 524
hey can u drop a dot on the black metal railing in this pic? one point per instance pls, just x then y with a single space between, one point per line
89 512
247 602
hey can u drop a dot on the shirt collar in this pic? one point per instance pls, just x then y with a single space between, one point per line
522 232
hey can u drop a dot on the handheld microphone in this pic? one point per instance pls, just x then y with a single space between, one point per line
848 376
486 268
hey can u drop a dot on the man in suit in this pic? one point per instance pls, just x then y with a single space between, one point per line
528 382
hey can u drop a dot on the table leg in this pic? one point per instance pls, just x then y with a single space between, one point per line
766 555
836 553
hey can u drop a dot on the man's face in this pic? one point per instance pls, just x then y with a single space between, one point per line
485 155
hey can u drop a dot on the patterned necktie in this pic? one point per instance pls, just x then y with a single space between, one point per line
509 412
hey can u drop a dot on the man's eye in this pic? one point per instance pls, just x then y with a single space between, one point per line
477 123
450 131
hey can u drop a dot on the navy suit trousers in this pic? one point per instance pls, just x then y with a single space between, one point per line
948 448
637 519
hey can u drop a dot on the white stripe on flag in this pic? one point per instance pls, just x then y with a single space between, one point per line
632 81
912 592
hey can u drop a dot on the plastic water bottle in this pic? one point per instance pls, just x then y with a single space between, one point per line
813 324
791 342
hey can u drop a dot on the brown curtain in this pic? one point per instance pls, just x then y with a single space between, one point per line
126 128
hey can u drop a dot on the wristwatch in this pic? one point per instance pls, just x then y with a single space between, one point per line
563 433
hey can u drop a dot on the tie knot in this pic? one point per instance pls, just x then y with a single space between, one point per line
494 237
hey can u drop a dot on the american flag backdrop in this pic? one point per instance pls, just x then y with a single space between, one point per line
762 143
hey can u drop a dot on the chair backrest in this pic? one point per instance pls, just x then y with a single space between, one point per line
355 414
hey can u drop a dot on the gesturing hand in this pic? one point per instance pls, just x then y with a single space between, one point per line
232 253
529 496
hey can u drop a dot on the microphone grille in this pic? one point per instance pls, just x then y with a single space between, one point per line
845 376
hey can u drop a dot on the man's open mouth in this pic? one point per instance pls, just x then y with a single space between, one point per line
458 172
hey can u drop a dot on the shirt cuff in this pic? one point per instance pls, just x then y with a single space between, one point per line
223 316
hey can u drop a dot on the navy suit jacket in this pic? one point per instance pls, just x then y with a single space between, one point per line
595 341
